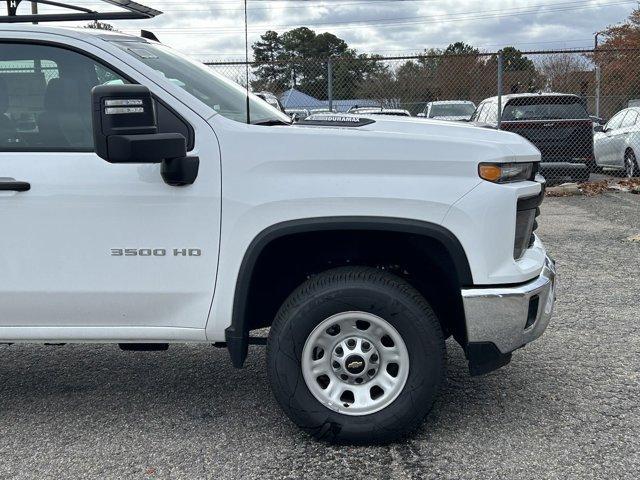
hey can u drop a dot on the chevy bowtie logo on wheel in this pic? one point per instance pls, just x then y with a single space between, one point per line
355 365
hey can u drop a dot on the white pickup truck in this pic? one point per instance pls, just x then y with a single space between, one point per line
143 205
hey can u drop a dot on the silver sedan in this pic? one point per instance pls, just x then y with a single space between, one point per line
617 144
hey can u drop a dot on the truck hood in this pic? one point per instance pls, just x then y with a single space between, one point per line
362 166
484 141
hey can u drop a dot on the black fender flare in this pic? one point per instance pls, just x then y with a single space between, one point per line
237 334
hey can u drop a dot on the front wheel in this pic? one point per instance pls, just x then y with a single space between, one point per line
356 355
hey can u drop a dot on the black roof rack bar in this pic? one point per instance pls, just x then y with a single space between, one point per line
65 5
132 11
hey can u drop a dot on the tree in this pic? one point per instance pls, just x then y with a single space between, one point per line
519 72
299 58
417 82
514 61
460 48
266 53
307 54
619 66
463 73
376 82
562 71
626 35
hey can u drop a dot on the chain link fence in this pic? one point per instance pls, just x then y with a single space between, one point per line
580 108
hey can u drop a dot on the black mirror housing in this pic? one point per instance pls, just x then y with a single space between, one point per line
598 128
120 110
125 129
145 148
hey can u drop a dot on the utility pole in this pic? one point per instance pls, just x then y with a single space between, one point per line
330 83
500 86
596 35
598 73
37 64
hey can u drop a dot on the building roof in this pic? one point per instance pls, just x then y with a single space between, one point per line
293 98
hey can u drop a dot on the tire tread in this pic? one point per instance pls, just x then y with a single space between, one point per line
348 276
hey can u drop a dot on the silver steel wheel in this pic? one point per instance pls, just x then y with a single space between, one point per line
355 363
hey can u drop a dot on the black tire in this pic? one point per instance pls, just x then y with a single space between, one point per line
631 169
372 291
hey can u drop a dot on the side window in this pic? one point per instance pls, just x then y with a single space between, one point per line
630 119
616 120
45 98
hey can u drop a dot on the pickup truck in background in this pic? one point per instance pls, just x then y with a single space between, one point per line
452 110
557 124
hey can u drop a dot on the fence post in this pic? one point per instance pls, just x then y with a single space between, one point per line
598 80
500 81
330 84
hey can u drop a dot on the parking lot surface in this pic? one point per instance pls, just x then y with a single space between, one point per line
566 407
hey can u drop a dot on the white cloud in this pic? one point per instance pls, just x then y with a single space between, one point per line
213 30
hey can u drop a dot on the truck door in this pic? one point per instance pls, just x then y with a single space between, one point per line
92 245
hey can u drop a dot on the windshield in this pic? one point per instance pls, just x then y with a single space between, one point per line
226 97
544 108
452 110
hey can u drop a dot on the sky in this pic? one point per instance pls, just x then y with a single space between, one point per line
213 30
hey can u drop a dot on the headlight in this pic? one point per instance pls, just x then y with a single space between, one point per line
506 172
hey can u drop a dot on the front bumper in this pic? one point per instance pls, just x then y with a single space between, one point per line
556 172
500 320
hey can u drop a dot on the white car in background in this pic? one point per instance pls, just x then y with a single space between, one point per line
395 112
456 110
617 144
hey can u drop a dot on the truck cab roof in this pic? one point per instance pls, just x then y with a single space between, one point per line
74 32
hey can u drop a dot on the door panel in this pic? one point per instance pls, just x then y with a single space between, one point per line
61 240
616 150
608 142
621 137
599 147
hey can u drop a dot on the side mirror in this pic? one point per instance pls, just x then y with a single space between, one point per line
598 128
421 114
125 131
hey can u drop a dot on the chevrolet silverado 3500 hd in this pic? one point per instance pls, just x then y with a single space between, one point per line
142 205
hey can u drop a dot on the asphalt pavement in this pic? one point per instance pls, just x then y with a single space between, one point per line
566 407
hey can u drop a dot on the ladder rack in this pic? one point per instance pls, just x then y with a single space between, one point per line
129 11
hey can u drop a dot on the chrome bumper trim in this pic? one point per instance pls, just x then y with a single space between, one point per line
499 315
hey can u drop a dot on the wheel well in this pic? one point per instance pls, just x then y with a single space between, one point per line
280 260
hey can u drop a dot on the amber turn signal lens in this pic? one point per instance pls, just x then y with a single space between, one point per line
491 173
506 172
